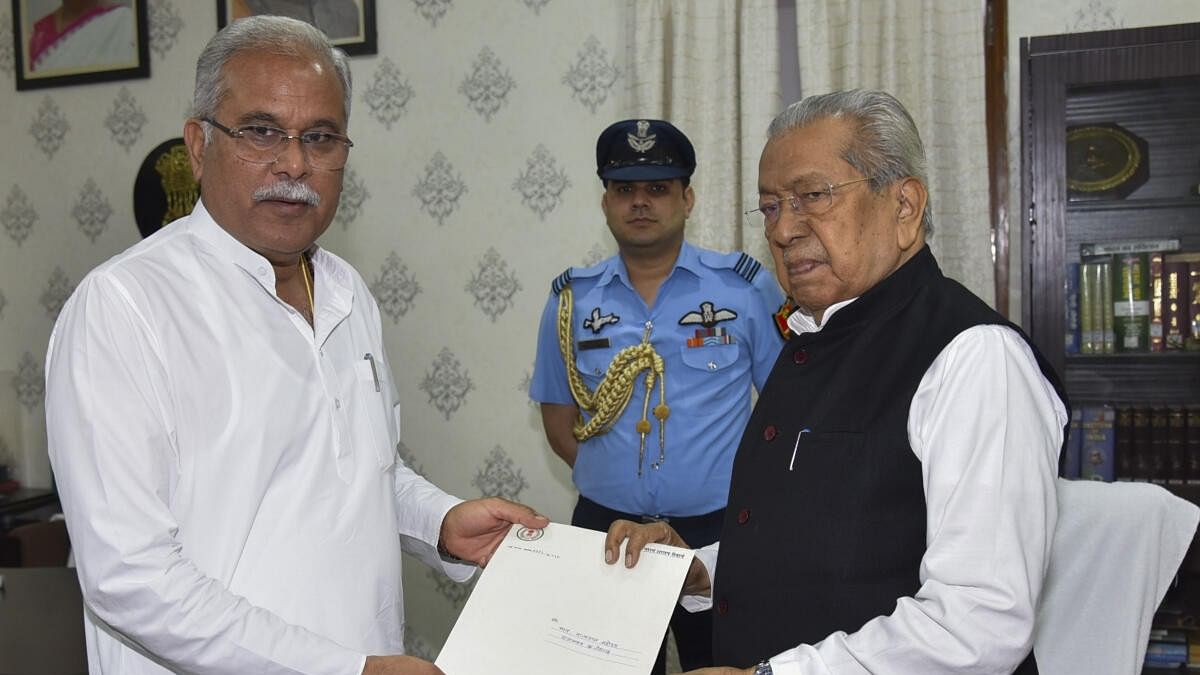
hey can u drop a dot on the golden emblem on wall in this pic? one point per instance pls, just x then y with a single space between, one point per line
165 188
1104 161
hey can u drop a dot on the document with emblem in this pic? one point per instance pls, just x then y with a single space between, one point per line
547 602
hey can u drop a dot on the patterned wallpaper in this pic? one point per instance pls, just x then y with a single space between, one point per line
470 187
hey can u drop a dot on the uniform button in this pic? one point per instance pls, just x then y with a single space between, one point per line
712 365
743 516
723 607
337 403
800 357
770 432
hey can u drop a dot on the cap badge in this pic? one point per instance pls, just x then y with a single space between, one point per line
644 140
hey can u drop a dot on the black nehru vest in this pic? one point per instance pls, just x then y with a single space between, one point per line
825 527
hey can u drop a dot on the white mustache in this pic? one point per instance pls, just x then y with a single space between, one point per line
288 190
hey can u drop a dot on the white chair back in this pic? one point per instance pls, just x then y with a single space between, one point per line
1116 549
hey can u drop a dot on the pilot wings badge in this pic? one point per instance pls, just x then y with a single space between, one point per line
708 316
643 141
597 321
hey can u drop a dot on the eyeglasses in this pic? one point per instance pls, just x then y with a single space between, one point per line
262 145
807 199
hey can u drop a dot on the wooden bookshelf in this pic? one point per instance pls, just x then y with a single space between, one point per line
1147 81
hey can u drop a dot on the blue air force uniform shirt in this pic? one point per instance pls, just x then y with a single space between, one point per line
713 325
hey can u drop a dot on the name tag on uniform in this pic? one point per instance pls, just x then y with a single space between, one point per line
595 343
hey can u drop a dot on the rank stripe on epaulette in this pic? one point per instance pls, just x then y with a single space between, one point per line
561 282
747 267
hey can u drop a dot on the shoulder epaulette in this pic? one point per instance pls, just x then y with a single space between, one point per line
742 264
560 282
747 267
578 273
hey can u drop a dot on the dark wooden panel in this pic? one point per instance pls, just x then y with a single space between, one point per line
1135 378
1115 221
1106 39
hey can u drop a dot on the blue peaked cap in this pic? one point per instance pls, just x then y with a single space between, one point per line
644 150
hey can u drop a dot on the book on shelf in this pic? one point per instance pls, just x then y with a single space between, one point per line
1071 289
1169 647
1159 449
1177 462
1123 455
1192 343
1095 306
1177 326
1096 448
1108 331
1128 246
1088 287
1069 462
1184 270
1142 442
1131 302
1169 634
1156 301
1192 450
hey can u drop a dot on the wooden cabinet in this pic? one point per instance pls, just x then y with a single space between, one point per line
1146 81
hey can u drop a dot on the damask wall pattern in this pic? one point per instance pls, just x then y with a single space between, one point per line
470 187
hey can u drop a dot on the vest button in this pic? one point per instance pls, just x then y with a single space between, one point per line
800 357
743 516
770 432
723 607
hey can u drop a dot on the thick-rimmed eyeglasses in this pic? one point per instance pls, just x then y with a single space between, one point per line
807 199
262 144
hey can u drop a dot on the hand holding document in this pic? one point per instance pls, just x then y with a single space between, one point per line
547 602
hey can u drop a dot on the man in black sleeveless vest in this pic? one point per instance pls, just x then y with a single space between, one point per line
892 501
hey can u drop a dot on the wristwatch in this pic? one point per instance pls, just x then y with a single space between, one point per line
763 668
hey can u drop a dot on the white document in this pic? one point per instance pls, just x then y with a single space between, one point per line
547 603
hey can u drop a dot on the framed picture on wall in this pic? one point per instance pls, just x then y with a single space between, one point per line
57 43
350 24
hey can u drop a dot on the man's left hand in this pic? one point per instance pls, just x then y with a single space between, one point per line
473 530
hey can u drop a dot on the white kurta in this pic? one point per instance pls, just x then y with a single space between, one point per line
227 472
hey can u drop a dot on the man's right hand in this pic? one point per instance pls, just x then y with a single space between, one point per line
399 665
658 532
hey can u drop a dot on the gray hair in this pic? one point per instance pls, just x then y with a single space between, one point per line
885 146
271 34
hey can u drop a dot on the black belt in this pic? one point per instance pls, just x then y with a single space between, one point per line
704 520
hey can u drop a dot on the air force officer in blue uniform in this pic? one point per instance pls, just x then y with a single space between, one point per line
645 361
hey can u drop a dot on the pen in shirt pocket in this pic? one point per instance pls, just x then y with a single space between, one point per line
374 373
